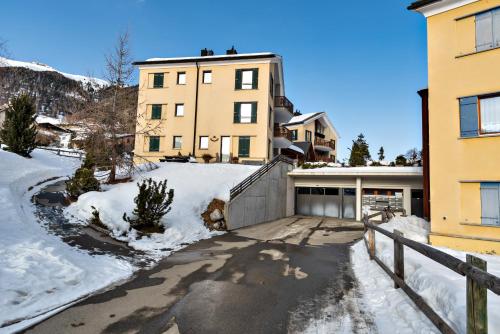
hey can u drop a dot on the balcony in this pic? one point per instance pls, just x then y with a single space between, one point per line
282 137
283 109
321 144
283 102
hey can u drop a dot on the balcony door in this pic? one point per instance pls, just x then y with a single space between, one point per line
225 148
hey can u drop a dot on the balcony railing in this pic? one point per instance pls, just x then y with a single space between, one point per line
283 102
281 131
323 142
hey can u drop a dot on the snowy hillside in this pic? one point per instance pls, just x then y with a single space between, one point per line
95 82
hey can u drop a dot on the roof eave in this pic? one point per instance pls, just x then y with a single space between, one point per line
203 59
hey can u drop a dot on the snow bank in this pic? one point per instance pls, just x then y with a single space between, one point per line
195 185
442 289
38 271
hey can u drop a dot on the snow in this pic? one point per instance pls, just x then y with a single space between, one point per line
34 66
47 119
38 271
214 57
195 185
374 170
302 118
296 149
443 289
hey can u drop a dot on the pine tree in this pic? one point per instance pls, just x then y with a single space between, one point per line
84 180
360 152
19 128
381 155
152 203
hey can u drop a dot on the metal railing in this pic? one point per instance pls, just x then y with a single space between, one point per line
281 131
323 142
239 188
80 154
283 102
478 279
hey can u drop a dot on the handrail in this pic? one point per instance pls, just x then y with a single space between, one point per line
240 187
283 102
281 131
323 142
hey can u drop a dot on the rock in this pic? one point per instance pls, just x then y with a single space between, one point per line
216 226
216 215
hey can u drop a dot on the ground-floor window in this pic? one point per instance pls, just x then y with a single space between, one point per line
154 144
177 142
244 147
490 203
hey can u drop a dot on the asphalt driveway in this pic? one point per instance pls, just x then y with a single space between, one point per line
288 276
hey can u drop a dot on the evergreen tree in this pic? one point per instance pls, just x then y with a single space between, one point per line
381 155
360 152
19 128
152 203
401 160
84 180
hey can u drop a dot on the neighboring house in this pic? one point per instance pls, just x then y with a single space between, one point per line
318 130
461 116
227 106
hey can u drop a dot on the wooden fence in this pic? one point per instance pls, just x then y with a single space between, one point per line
478 279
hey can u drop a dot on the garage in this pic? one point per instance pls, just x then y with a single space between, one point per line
326 202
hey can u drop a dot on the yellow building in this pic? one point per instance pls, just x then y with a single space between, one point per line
464 122
315 134
229 107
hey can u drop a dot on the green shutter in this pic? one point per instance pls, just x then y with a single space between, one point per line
156 111
237 82
254 112
154 144
237 112
244 147
158 80
255 78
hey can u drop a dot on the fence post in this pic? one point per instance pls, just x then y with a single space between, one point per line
399 259
477 304
371 242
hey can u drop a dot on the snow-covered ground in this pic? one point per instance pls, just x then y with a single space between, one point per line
195 185
38 271
442 289
95 82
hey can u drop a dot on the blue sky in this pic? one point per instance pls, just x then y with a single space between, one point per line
360 61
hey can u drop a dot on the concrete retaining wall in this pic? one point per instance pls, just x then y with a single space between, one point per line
265 200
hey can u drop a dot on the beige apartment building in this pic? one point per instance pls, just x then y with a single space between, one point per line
315 134
229 107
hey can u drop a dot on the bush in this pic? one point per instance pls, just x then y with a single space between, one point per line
83 181
96 219
207 157
152 203
400 160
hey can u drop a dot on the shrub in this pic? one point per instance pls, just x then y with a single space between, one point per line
400 160
207 157
152 203
83 181
96 219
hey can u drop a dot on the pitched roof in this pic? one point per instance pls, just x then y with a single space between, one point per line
421 3
307 118
240 56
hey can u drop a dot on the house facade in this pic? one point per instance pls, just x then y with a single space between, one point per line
227 107
463 107
314 131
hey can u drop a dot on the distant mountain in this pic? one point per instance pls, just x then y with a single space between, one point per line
56 93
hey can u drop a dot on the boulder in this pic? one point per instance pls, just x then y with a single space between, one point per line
216 215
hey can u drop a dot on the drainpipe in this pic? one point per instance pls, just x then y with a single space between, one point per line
196 106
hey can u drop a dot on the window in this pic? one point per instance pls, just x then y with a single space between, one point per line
488 30
271 85
490 203
245 112
490 114
203 142
294 134
156 111
479 115
177 142
179 109
247 79
333 143
207 77
308 136
244 147
158 80
181 78
271 118
154 144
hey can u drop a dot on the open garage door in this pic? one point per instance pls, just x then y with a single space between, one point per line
327 202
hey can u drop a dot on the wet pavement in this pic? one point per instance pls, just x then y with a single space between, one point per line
49 206
287 276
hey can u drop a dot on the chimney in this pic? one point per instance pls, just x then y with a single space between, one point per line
231 51
205 52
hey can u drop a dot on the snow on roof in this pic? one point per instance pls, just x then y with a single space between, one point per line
214 57
296 149
34 66
360 171
302 118
47 119
306 118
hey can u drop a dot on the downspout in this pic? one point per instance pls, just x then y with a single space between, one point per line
196 106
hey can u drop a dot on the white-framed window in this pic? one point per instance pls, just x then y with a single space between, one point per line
177 142
488 30
179 109
490 114
247 79
246 113
207 77
203 142
181 78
